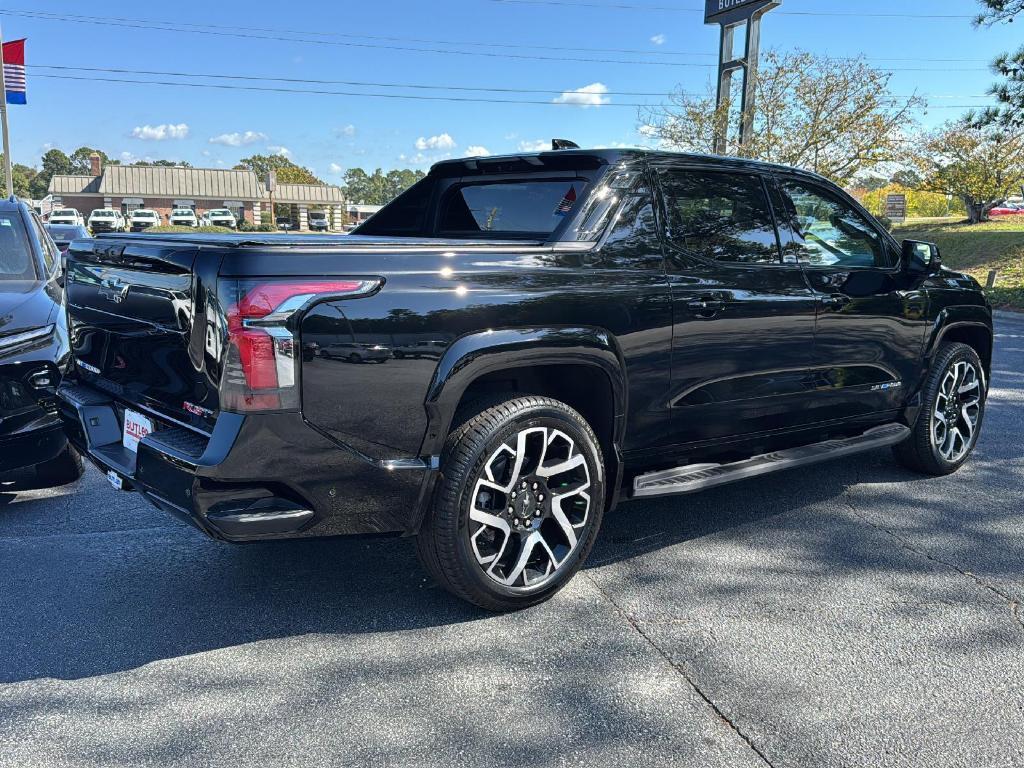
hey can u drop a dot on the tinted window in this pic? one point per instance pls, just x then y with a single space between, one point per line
16 261
513 207
632 241
50 252
721 216
829 231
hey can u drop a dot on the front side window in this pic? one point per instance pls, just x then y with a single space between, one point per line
513 207
829 231
720 216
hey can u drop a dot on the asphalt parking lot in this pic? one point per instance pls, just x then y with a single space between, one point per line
853 614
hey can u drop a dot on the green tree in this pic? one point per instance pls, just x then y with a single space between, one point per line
378 188
80 163
835 116
1009 89
287 171
163 163
54 163
979 165
22 176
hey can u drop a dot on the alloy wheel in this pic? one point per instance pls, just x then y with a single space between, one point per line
957 410
530 508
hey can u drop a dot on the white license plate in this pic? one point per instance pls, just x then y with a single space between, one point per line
114 479
136 427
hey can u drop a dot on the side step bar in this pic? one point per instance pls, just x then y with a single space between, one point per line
697 477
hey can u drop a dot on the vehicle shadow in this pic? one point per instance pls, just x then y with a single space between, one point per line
107 601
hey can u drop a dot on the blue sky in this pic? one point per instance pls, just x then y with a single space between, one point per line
340 41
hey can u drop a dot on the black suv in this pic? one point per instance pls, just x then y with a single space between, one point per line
608 324
34 349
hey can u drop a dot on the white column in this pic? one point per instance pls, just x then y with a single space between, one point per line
257 210
303 217
337 220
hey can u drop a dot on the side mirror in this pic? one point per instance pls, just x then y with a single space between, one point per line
921 257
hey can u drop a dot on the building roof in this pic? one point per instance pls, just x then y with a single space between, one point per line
74 185
173 182
163 181
308 193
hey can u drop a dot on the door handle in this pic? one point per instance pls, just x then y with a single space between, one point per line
705 306
836 301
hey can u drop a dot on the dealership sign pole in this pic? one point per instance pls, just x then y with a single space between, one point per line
730 15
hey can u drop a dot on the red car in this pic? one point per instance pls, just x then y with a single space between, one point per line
1007 209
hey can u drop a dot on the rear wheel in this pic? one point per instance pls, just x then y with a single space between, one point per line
948 426
519 505
353 358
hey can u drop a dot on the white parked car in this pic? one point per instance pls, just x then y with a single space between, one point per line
144 218
184 217
66 216
105 220
221 217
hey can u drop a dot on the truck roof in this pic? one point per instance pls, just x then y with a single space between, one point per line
612 156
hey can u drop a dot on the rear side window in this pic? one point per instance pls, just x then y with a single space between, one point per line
16 261
720 216
830 232
512 207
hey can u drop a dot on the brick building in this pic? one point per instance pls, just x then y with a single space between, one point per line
162 188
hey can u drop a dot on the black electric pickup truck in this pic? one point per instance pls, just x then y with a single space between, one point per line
594 326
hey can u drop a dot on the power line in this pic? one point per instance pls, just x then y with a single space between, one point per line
258 34
356 94
680 9
373 84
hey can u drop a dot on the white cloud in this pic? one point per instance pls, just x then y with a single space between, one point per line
444 141
475 150
239 139
647 130
160 132
540 145
592 95
335 168
347 130
282 151
659 39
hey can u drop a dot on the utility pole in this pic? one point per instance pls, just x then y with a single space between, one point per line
3 118
730 15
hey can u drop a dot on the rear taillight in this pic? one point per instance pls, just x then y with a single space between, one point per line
261 369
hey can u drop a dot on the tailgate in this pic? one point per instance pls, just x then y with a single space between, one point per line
135 329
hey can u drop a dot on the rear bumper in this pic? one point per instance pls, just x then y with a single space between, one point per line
256 477
41 440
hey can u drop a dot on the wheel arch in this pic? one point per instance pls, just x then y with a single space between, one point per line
975 332
580 366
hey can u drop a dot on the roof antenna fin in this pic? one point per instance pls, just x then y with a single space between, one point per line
557 144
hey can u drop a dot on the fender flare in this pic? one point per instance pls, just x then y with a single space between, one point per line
478 354
951 318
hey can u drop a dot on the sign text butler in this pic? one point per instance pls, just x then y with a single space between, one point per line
730 11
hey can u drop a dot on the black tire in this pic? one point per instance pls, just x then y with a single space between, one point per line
66 467
446 544
354 358
921 451
399 355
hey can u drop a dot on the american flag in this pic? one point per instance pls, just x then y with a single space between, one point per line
567 202
14 71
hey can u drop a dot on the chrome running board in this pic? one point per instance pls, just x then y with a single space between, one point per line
697 477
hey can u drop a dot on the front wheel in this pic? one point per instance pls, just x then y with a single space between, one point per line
949 423
519 504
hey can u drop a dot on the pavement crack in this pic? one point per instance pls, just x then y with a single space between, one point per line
1013 603
681 669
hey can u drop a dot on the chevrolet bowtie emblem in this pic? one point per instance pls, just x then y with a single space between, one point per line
114 290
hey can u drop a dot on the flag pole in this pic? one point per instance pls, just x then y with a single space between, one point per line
3 118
